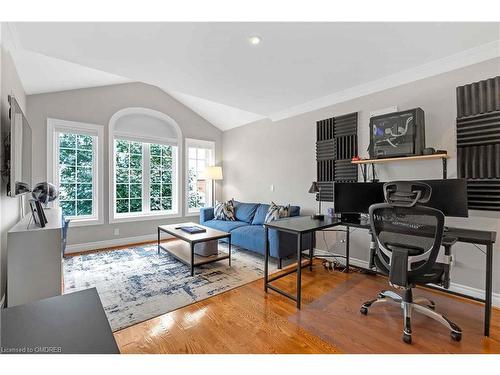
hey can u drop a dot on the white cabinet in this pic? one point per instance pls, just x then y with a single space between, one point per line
34 259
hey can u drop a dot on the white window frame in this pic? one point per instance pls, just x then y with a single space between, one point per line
56 126
198 143
176 211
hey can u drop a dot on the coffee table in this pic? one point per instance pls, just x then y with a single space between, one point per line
183 248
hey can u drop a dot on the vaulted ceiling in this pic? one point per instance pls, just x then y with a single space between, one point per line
213 69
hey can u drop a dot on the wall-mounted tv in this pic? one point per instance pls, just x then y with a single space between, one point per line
18 147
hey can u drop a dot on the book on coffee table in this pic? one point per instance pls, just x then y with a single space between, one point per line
192 229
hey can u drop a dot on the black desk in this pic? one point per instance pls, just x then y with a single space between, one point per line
71 324
304 224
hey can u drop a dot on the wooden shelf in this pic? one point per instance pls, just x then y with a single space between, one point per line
388 160
181 250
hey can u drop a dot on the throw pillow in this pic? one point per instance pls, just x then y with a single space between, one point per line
224 211
276 212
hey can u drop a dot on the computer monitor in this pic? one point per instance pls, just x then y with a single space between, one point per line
448 196
357 197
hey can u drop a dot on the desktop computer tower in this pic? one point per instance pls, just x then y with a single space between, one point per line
397 134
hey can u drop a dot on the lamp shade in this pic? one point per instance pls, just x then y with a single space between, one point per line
213 173
314 188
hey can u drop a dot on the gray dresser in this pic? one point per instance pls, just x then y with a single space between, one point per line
34 259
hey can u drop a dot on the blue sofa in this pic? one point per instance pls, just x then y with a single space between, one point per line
247 231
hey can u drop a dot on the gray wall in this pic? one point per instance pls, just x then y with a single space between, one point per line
96 106
9 207
282 154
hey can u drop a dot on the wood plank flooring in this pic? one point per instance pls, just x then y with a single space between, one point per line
246 320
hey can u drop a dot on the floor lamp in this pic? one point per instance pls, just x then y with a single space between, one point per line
214 174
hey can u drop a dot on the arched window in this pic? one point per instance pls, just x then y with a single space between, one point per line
145 166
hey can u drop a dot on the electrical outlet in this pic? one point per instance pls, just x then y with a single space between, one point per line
272 187
116 231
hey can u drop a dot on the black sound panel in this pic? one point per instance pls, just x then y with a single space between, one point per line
478 142
336 145
478 97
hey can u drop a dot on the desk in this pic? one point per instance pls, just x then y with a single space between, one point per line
304 224
73 323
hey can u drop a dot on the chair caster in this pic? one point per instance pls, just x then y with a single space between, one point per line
456 336
407 338
363 310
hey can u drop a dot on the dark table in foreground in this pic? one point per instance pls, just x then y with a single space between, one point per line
73 323
305 224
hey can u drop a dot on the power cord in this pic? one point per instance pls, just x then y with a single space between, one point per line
336 264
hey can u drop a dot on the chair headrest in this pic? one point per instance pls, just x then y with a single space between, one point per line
406 193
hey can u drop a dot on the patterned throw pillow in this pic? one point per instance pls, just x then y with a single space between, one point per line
276 212
224 211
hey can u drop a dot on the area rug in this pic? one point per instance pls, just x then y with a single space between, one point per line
137 284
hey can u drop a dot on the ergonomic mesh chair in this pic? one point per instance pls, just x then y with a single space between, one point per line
408 238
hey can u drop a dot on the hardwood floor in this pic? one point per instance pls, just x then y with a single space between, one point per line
246 320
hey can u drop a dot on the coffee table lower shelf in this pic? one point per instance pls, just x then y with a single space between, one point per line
184 252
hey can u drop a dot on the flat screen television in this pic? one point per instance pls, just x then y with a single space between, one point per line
18 148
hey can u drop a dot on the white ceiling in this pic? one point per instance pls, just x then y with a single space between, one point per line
213 69
223 116
40 73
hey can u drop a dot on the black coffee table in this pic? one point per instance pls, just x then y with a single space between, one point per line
183 248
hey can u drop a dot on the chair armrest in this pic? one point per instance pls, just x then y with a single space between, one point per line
206 213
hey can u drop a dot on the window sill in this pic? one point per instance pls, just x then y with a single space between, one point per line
75 222
143 217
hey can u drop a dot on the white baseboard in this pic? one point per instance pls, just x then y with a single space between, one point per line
76 248
459 288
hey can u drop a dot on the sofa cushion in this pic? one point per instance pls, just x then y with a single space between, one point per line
249 237
260 214
224 211
224 225
276 212
245 211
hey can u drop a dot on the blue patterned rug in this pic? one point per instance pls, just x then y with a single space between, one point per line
137 284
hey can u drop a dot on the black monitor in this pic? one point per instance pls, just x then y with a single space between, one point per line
448 196
357 197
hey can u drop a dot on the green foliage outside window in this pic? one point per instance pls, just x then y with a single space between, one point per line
76 174
128 176
160 191
195 198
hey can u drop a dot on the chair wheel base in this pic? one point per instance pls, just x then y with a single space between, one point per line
407 338
363 310
456 336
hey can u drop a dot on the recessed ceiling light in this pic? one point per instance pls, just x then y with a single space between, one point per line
254 40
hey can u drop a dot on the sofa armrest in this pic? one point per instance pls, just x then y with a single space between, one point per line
206 213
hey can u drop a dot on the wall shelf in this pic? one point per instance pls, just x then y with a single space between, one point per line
443 156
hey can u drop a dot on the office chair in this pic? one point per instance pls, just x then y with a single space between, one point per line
408 239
